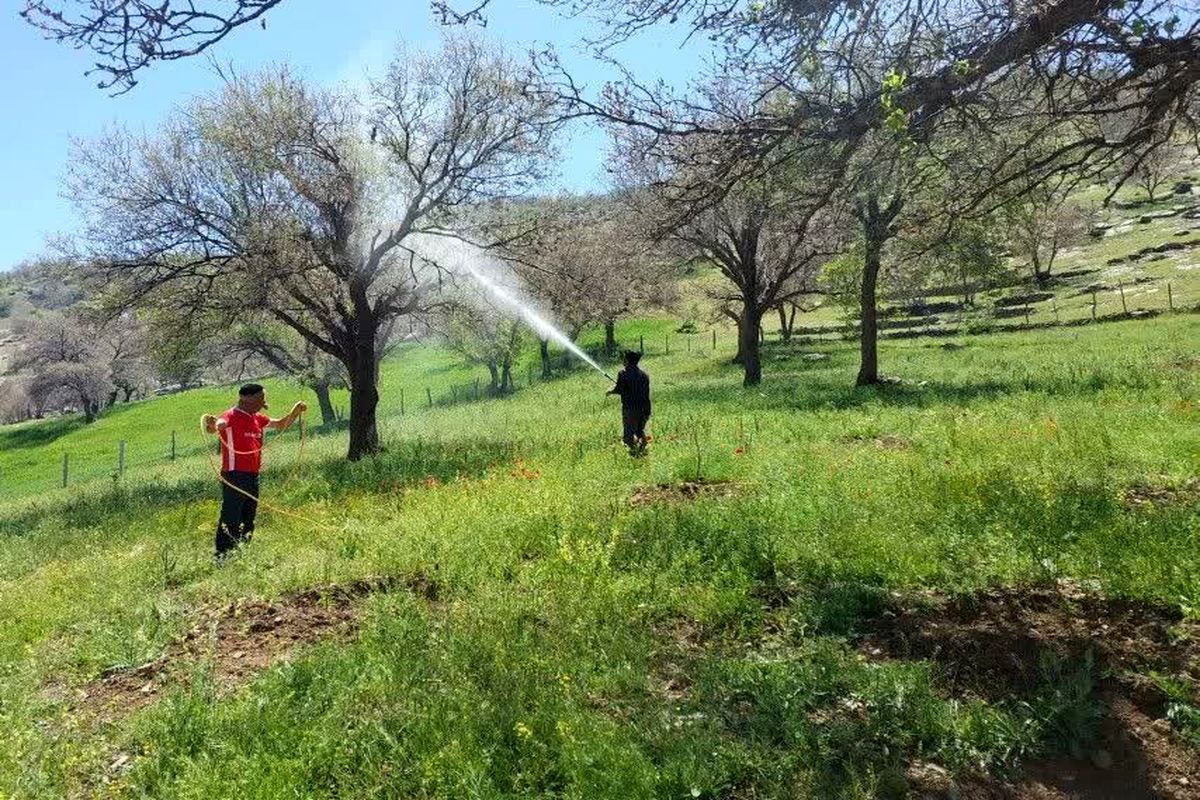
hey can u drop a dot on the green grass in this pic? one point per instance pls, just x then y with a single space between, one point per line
581 646
543 666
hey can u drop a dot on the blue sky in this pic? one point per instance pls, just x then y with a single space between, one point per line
47 100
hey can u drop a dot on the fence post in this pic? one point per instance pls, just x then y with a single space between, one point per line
762 335
1054 303
453 393
402 401
714 340
172 445
1121 286
1026 315
642 343
429 396
66 468
667 339
121 458
477 388
1170 299
1093 305
689 343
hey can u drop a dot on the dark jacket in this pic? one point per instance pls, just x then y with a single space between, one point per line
633 386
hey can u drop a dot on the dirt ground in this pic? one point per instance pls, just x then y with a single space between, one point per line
681 492
237 641
996 645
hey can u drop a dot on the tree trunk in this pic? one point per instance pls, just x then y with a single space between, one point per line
748 345
610 338
1042 275
506 381
544 349
740 356
364 392
494 373
328 415
868 370
877 229
1050 259
787 323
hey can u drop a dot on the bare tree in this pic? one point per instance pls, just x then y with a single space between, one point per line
767 234
82 386
15 403
65 369
129 35
484 334
1040 221
1153 167
122 345
52 337
49 283
1115 56
588 261
269 198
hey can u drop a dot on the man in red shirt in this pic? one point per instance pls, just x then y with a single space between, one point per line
240 429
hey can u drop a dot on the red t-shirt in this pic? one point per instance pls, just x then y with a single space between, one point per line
242 440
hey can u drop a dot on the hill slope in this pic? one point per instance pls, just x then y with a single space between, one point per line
506 604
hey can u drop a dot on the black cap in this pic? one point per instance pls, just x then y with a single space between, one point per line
250 389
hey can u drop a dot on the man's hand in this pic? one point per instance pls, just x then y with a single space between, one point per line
283 423
209 422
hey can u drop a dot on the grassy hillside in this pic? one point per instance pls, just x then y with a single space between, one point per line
1115 270
505 604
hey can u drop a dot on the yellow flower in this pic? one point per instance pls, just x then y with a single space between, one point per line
523 730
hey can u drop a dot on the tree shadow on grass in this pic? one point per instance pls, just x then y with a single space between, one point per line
827 386
413 461
40 433
817 393
404 463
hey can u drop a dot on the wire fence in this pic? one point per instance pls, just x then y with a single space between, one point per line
1093 304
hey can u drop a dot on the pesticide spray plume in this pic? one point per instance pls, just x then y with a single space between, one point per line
463 258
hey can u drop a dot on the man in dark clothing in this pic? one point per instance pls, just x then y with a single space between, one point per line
240 429
633 387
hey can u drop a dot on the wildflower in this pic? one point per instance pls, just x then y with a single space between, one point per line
523 730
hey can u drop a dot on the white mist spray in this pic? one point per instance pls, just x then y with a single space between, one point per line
466 259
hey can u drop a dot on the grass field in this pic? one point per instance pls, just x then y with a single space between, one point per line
524 610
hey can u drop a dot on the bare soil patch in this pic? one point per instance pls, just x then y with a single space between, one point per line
884 441
686 491
1162 494
240 640
994 644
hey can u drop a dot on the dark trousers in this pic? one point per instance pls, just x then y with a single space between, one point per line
634 435
237 510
